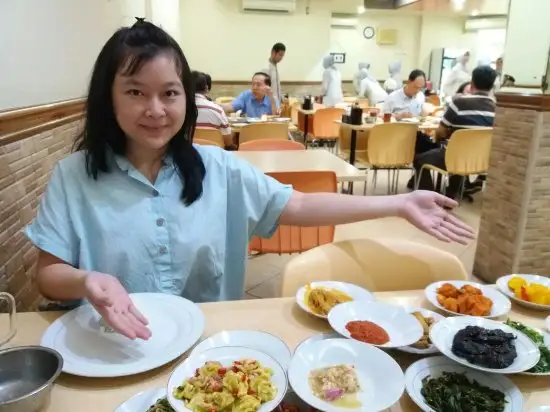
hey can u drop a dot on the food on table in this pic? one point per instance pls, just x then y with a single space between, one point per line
104 327
321 300
530 292
368 332
543 366
333 383
242 387
454 392
493 349
161 405
468 300
426 322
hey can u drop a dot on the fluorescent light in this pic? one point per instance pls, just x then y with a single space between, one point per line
360 9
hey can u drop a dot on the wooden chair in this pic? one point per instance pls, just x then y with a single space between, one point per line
377 265
390 146
224 99
324 126
468 153
295 239
210 134
277 130
271 144
204 142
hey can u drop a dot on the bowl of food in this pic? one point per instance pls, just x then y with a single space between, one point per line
427 319
532 291
27 375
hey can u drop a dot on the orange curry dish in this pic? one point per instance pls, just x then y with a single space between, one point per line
467 300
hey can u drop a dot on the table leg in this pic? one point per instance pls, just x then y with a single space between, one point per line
306 128
353 146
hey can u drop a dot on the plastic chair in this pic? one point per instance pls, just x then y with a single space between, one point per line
324 126
224 99
390 146
210 134
258 131
468 153
206 142
271 144
295 239
434 99
377 265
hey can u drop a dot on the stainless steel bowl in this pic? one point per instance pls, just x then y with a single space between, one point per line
27 375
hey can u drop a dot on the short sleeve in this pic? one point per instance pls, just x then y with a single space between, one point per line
51 230
224 124
263 198
239 102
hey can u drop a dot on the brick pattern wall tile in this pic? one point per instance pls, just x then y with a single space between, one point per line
25 168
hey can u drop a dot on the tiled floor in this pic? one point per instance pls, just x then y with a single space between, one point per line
263 275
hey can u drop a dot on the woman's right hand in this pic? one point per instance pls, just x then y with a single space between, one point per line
113 303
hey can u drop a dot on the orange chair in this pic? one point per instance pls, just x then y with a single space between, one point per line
297 239
210 134
324 125
259 131
433 99
205 142
271 144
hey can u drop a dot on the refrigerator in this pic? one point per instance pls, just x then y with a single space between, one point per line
442 61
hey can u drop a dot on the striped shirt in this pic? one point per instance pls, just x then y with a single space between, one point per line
470 111
211 115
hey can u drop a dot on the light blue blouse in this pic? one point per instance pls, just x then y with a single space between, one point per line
144 235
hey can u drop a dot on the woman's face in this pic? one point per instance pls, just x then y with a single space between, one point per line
150 106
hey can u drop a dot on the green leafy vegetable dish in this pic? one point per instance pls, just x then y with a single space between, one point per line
161 405
544 363
454 392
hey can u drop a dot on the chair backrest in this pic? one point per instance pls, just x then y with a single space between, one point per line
468 151
433 99
392 144
344 143
206 142
224 99
271 144
324 125
363 103
275 130
295 239
210 134
377 265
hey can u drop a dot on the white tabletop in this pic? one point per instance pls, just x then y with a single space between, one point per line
302 161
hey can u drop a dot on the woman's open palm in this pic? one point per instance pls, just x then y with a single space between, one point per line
113 303
428 212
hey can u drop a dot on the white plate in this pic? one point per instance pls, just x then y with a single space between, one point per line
380 377
443 333
262 341
435 366
226 355
546 337
548 323
142 401
353 291
283 119
316 338
402 327
502 284
239 124
501 304
176 324
427 314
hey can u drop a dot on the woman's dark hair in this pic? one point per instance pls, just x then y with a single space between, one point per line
208 81
126 52
201 83
462 87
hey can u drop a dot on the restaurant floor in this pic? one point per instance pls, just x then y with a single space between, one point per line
263 273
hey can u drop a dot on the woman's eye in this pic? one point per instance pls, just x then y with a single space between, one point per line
134 92
172 93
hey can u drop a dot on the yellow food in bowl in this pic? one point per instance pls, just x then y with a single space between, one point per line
529 292
321 300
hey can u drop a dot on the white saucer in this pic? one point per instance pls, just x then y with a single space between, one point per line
142 401
427 314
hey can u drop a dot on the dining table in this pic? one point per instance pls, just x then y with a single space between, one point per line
279 316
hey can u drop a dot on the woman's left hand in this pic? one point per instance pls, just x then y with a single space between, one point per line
427 211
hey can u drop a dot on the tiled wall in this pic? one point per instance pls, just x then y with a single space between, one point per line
25 168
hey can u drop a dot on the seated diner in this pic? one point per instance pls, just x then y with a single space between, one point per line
257 101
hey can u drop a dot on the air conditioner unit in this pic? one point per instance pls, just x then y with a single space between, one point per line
269 6
343 21
482 23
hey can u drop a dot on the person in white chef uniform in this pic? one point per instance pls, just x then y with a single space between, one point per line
371 89
361 68
332 83
459 74
395 81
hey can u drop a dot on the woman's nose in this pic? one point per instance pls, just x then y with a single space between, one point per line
156 107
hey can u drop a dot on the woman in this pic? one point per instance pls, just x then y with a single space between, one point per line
362 68
332 83
138 208
371 89
395 81
459 74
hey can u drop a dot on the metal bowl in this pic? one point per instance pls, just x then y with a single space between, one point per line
27 375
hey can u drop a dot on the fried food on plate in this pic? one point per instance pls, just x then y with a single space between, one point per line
468 300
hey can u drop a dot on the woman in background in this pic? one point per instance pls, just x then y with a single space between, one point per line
395 81
332 83
360 75
459 74
370 88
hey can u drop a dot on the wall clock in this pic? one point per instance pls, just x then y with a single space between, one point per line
369 32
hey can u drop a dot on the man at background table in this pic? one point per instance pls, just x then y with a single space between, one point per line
259 100
277 54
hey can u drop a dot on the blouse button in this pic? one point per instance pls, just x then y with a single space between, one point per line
155 193
163 250
160 222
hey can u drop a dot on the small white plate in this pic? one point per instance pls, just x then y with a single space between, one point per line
444 331
435 366
262 341
380 377
226 355
402 327
176 325
142 401
356 293
283 119
502 284
548 323
239 124
501 304
546 337
427 314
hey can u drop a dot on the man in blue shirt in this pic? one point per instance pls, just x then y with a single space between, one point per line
259 100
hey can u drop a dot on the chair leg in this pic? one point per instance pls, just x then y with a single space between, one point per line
389 184
374 176
366 181
396 182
